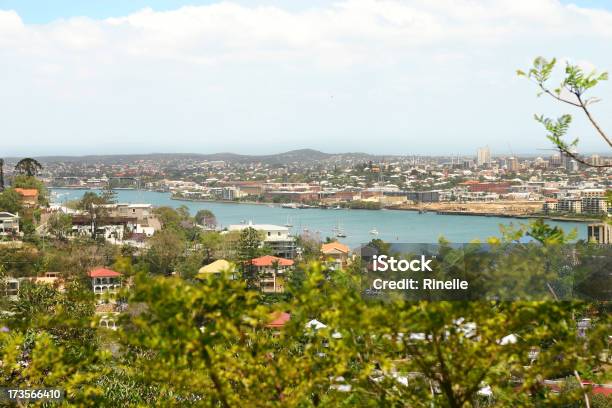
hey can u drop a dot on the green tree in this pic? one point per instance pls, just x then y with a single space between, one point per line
249 247
211 245
28 166
50 342
25 181
108 194
10 201
59 224
168 217
206 218
165 249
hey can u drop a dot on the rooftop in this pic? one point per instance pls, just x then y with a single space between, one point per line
334 247
103 273
27 192
269 260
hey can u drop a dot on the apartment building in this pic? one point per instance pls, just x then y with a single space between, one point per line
276 237
570 205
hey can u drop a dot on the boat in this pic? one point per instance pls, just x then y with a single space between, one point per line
288 224
373 231
339 231
289 205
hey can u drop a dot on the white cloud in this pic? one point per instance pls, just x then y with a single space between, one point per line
353 75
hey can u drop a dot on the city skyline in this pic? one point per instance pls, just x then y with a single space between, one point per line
355 75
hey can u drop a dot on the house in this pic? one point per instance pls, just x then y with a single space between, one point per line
278 320
276 237
271 270
335 255
108 315
105 281
53 279
9 223
9 287
29 196
143 213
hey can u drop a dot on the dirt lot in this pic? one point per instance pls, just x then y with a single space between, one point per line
517 208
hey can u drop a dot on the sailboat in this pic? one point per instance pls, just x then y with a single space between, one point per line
374 231
288 224
339 231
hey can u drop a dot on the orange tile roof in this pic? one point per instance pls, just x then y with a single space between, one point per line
334 246
103 273
27 192
269 260
278 319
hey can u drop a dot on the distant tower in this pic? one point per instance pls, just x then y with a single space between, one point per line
483 156
1 175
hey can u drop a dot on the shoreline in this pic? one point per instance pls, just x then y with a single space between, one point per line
438 212
199 200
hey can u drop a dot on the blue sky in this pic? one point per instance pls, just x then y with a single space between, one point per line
380 76
31 11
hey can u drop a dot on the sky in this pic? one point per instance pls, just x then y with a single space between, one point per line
259 77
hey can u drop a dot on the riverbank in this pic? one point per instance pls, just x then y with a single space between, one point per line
393 226
501 209
201 200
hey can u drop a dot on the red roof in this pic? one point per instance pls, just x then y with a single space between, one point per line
279 319
269 260
103 273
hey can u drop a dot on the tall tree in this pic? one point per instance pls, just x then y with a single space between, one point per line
249 247
1 175
28 166
206 218
109 195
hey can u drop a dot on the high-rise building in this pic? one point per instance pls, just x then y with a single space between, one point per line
596 160
483 156
570 164
555 160
512 164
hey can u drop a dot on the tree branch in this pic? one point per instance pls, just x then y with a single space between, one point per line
579 160
592 120
557 97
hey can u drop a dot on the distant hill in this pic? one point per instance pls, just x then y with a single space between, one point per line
301 155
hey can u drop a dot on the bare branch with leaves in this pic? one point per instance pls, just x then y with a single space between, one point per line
575 83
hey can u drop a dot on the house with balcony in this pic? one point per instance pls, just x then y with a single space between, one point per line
105 281
275 237
271 272
29 196
9 223
335 255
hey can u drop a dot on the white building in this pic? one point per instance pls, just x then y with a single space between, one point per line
276 237
9 223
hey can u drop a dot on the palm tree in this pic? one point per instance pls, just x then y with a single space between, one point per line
1 175
28 166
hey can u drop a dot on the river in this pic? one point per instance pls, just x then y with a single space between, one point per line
392 225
